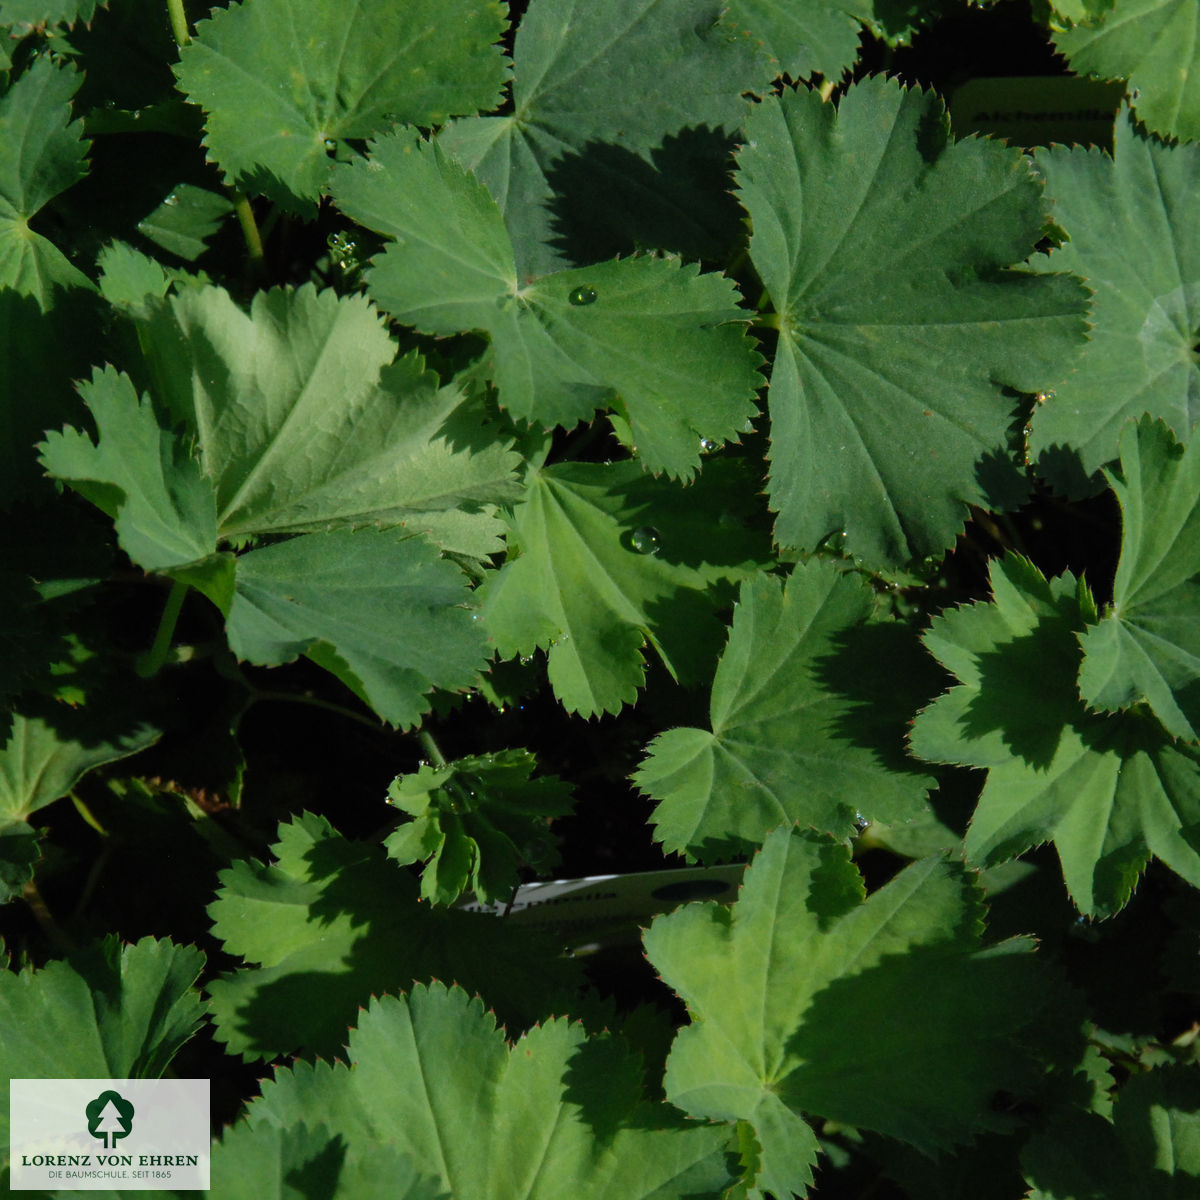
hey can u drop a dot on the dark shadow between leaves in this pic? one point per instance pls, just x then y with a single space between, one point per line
317 1178
1003 479
400 940
604 1078
917 1045
1063 469
719 519
609 202
1027 692
41 354
884 676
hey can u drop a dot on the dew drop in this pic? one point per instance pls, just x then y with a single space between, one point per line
583 295
330 145
707 445
172 200
645 540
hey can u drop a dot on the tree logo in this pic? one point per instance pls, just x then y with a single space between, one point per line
109 1117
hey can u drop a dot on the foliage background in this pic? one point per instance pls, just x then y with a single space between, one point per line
448 445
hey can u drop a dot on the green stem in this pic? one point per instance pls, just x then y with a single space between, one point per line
89 885
272 220
431 748
179 25
245 216
257 694
45 918
150 663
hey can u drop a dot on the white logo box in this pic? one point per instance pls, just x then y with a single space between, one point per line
166 1146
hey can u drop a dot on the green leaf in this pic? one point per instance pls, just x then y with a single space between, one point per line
305 419
129 278
660 341
886 249
1147 647
627 74
34 14
805 998
140 474
334 921
555 1115
603 560
380 609
41 155
1134 238
314 75
809 709
298 1163
1110 791
806 37
19 850
477 820
106 1012
47 753
185 220
1153 1141
1155 45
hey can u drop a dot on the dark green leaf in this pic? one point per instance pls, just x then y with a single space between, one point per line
607 560
332 922
41 155
1133 236
888 251
485 815
628 73
381 609
1110 791
656 340
555 1115
315 74
782 987
808 712
106 1012
1147 647
1155 45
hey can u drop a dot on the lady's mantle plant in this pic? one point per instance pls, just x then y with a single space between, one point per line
437 367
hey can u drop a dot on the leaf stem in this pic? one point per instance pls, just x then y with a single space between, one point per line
149 664
245 216
87 814
179 24
89 885
45 918
431 748
257 694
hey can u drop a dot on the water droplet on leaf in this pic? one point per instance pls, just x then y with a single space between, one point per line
707 445
583 295
172 200
645 540
330 145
